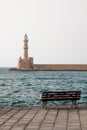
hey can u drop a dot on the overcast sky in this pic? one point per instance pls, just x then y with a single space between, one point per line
57 31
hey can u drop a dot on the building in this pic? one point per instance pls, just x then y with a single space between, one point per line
27 62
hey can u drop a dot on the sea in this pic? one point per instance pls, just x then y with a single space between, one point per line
24 88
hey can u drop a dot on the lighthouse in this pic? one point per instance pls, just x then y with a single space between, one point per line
27 62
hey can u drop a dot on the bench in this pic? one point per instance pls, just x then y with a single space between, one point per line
59 96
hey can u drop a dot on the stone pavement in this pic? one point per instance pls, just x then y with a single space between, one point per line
61 117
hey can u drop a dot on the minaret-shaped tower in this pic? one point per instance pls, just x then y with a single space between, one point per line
26 47
27 62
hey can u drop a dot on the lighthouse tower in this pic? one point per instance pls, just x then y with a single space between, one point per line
26 47
27 62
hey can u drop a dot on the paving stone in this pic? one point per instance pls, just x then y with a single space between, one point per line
84 127
59 127
15 128
74 127
46 128
32 127
1 128
47 125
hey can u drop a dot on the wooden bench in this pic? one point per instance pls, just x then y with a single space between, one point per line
59 96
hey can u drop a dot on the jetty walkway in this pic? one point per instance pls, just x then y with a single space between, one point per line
60 117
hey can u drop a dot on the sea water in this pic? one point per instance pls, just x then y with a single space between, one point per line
24 88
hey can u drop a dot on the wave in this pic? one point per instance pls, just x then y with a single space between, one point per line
18 103
47 78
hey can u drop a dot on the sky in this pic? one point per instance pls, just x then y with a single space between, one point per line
56 29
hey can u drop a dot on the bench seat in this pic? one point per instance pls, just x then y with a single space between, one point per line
60 95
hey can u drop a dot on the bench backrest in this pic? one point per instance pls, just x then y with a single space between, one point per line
60 95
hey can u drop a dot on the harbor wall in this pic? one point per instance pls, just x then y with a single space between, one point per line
55 67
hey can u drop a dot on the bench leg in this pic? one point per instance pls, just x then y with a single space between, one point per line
44 105
74 102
